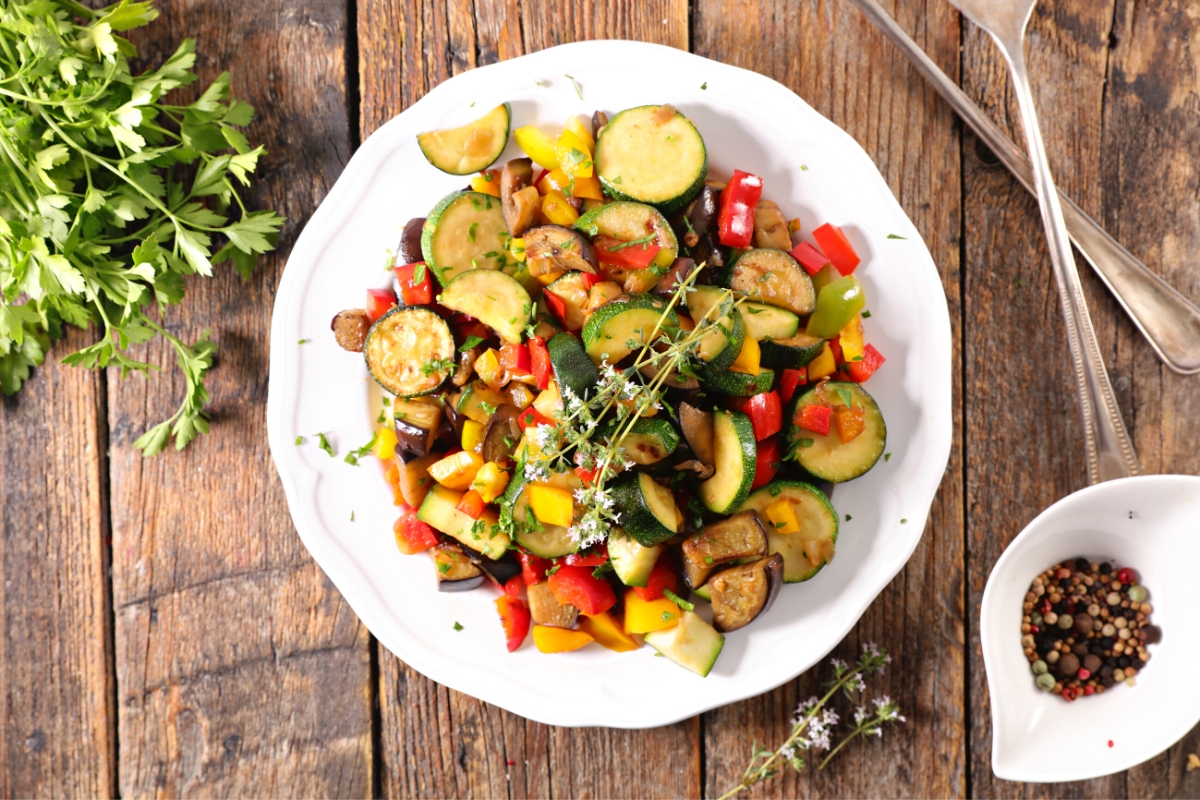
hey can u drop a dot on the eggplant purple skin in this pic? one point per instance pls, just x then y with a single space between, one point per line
503 425
501 570
414 439
409 249
464 585
772 566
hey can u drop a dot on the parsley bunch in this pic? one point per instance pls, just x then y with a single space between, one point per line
109 195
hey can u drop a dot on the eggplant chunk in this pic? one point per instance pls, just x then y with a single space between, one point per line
743 593
552 247
680 270
502 434
698 218
702 471
415 481
770 227
546 610
350 329
697 428
454 570
739 536
520 206
599 120
500 570
409 251
417 424
466 366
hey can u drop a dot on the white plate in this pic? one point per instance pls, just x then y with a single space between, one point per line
815 171
1152 524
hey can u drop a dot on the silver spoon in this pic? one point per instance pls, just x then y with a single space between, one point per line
1109 450
1168 320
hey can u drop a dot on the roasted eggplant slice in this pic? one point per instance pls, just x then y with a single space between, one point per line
520 206
599 120
702 470
415 481
350 329
770 227
739 536
697 219
409 251
697 428
500 570
502 434
552 248
417 424
742 593
454 569
679 271
466 365
546 610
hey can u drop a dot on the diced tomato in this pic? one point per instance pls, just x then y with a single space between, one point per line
413 535
515 617
791 379
557 306
588 476
539 358
630 255
531 418
767 463
595 557
835 245
661 577
412 291
815 418
533 568
735 217
765 412
471 504
514 586
515 359
809 257
861 371
579 587
379 302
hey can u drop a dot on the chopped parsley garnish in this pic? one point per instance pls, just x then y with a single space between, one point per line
435 365
846 397
896 236
667 615
848 518
443 567
418 274
807 442
299 440
469 342
775 490
887 456
704 85
866 314
458 627
679 601
382 418
903 521
471 231
352 516
323 443
354 455
708 559
575 83
302 341
614 180
645 240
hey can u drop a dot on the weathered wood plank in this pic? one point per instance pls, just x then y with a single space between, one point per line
57 724
240 669
435 741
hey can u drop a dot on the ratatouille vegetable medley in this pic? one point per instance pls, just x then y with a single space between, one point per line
615 383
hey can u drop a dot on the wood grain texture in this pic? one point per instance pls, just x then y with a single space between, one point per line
241 670
832 57
56 732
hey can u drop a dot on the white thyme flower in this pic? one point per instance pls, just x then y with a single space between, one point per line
860 715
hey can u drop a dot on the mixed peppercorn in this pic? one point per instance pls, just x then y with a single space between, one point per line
1086 627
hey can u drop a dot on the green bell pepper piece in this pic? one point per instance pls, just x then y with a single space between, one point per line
837 303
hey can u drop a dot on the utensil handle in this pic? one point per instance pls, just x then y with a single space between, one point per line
1109 450
1168 320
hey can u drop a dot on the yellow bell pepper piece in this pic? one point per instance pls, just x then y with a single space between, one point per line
385 444
851 339
516 246
747 362
490 481
556 209
487 183
823 365
588 189
582 130
782 515
559 640
644 616
550 277
537 145
489 369
549 402
552 505
607 633
458 470
574 156
519 395
472 436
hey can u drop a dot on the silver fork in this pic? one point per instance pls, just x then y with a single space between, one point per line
1109 449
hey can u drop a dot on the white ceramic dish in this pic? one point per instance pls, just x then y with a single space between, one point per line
815 171
1150 523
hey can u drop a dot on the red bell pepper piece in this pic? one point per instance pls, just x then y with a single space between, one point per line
515 618
835 245
630 255
533 568
471 504
414 292
531 418
809 257
579 587
413 535
515 359
540 178
594 557
661 577
379 302
815 418
539 358
872 360
557 306
835 347
513 587
735 219
765 412
588 476
465 327
768 462
791 379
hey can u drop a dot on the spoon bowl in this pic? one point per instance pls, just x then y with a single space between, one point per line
1152 524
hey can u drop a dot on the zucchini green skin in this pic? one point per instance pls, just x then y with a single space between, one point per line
609 330
494 298
772 277
764 321
827 458
499 119
401 344
692 644
717 348
631 496
627 221
439 511
791 353
446 237
651 439
632 562
572 367
631 131
737 384
817 517
736 454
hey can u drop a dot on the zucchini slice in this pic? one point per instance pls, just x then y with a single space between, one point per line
572 367
769 322
539 538
741 594
629 222
719 347
791 353
624 324
806 552
410 351
573 289
739 536
482 535
471 148
493 298
773 277
660 163
647 510
632 562
735 455
650 440
827 457
479 402
737 384
464 231
692 644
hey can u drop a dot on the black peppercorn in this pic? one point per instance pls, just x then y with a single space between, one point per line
1097 650
1123 662
1082 564
1107 643
1105 568
1060 608
1046 642
1064 583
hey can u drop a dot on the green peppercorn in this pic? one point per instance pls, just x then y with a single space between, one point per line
1045 681
1036 618
1066 621
1138 593
1040 667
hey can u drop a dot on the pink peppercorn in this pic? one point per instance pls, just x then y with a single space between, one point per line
1125 575
1083 674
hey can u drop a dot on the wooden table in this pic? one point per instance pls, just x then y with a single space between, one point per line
165 632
